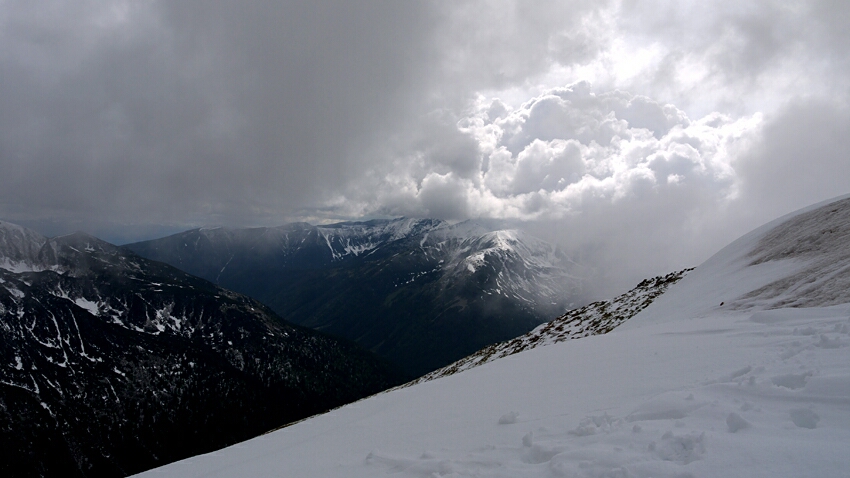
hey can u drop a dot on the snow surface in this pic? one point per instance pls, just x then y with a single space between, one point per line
90 306
687 387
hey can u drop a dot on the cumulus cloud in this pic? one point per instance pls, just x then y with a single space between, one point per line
551 155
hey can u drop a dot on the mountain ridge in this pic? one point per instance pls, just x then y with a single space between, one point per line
596 318
419 292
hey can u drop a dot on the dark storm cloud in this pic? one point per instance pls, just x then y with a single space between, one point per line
237 112
187 110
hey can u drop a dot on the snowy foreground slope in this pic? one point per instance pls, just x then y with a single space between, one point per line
687 387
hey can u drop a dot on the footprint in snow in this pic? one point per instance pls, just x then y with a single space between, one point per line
736 423
508 418
804 418
682 449
827 343
792 380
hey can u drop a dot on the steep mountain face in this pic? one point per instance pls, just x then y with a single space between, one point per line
420 292
111 364
596 318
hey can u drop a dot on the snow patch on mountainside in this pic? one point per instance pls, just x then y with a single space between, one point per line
19 248
358 238
90 306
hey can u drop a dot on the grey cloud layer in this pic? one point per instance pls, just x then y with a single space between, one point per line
176 109
640 134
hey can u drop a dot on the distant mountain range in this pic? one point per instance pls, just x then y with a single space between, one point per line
112 364
420 292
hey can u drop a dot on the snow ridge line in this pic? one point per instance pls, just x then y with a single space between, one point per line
593 319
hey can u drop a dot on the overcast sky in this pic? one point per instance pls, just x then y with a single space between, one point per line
642 136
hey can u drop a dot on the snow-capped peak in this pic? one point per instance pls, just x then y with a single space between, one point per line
356 238
19 248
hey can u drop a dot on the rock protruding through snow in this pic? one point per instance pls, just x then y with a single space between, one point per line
593 319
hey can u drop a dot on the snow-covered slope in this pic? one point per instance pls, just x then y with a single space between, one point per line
687 387
526 269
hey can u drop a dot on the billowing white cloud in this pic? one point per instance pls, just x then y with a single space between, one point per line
553 154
